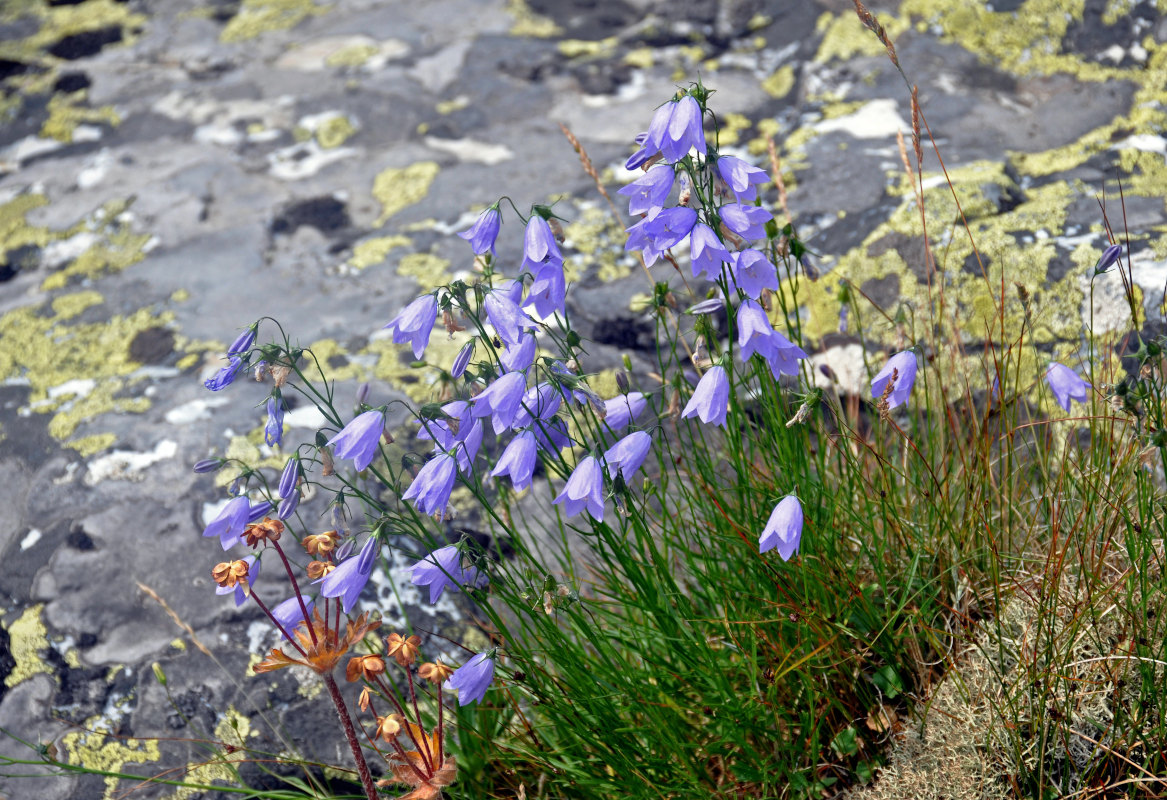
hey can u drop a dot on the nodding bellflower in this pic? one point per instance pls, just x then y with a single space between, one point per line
243 342
626 456
656 234
740 177
472 679
551 435
506 317
430 490
748 222
483 233
351 575
415 324
1066 385
710 400
538 241
273 431
518 460
648 193
622 411
752 272
903 364
501 400
539 402
784 528
359 439
290 614
548 294
226 376
707 252
440 570
518 357
241 592
676 127
466 445
230 522
584 490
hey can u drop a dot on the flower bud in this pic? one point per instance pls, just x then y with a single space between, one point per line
159 675
259 511
622 381
1109 257
327 465
288 505
362 393
290 477
462 361
209 465
243 342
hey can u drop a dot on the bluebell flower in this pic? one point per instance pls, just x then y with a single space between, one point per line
226 376
430 490
506 317
707 252
351 575
676 127
518 460
243 342
656 234
501 400
548 293
483 233
753 328
622 410
538 240
290 477
472 679
710 400
752 272
1066 385
360 438
243 591
710 306
551 435
782 355
1109 258
626 456
273 431
904 366
640 239
740 177
290 614
539 402
209 465
748 222
440 570
584 490
466 445
458 368
288 505
648 193
415 324
784 528
258 511
641 156
230 522
520 356
511 290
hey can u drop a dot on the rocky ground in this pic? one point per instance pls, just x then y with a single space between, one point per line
171 171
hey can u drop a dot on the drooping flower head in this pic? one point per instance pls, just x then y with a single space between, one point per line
538 240
508 319
1066 385
243 342
359 439
622 410
351 575
230 522
707 252
710 400
752 272
548 294
226 376
415 324
903 365
290 613
473 678
518 357
518 460
676 128
656 234
430 490
748 222
483 233
440 569
501 400
273 431
235 580
626 456
784 528
648 193
584 490
740 177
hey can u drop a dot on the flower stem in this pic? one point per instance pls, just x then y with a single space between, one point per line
351 734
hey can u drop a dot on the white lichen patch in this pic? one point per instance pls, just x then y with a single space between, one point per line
194 411
127 465
877 119
471 150
305 159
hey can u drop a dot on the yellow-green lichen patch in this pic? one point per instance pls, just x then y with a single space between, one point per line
120 249
599 242
577 48
732 127
642 57
355 55
76 371
58 22
334 132
27 637
528 23
398 188
93 746
232 729
845 37
15 230
450 106
429 270
67 111
369 252
256 17
393 364
780 83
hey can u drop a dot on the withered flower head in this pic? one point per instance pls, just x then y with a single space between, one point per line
321 544
328 466
230 573
267 530
364 667
318 569
280 374
403 650
435 671
323 653
388 727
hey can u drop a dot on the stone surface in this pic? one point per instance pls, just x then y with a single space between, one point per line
171 171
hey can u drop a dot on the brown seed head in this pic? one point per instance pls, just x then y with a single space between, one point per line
321 544
435 671
388 727
364 667
403 650
318 569
280 375
267 530
450 323
229 573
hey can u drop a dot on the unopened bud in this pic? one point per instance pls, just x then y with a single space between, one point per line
622 381
362 393
159 675
209 465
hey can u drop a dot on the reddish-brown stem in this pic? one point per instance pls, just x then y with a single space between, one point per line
276 622
438 694
351 734
423 747
296 589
